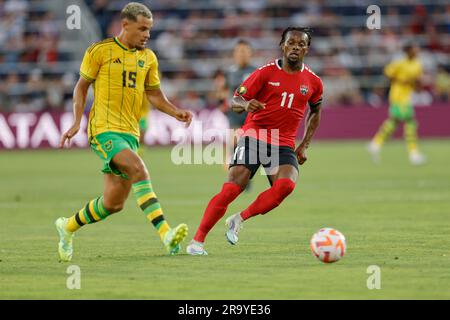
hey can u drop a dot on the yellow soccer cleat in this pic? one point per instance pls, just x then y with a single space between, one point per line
65 247
173 237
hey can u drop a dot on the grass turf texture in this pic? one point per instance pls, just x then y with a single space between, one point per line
393 215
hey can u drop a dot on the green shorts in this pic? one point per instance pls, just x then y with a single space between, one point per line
107 144
401 112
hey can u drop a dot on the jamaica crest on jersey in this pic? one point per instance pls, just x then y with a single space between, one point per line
303 89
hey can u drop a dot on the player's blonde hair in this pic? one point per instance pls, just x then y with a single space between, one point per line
133 9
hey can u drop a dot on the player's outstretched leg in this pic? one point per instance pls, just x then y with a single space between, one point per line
383 133
129 163
93 212
410 134
215 210
266 201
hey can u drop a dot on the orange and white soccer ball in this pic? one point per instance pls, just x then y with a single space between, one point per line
328 245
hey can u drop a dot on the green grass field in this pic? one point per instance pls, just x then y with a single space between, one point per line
393 215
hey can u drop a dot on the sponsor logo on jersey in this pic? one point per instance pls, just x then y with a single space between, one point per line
276 84
304 90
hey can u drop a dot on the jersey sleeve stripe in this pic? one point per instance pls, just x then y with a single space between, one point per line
86 77
315 104
156 86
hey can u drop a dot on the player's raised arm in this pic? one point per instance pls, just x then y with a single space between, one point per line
159 100
79 101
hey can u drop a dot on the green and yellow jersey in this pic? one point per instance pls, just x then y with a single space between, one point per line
120 77
403 74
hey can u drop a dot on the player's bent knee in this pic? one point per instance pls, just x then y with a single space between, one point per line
239 175
139 173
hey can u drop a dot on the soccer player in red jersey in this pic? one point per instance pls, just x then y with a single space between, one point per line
276 96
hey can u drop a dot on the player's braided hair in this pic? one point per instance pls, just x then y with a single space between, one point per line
306 30
133 9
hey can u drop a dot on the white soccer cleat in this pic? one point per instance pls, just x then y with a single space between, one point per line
196 248
417 159
374 150
65 246
234 224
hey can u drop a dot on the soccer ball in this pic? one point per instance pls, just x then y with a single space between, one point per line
328 245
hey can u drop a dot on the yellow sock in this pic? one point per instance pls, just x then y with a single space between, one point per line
410 134
149 204
93 212
385 131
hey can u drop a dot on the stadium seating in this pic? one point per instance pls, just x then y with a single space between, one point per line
193 40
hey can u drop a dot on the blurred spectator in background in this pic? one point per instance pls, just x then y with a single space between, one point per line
13 89
36 88
192 101
102 14
194 43
169 45
219 95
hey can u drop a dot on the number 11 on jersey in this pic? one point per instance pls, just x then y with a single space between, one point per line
283 101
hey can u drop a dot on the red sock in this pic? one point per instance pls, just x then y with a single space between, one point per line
270 198
217 207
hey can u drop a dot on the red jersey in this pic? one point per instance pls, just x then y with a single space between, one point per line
285 96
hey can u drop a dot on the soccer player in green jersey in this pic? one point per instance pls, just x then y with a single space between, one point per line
121 71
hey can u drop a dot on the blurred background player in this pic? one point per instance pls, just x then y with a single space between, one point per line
404 75
235 76
123 72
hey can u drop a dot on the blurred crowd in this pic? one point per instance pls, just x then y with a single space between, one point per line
194 42
30 59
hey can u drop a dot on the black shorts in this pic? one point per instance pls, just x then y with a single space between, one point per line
252 153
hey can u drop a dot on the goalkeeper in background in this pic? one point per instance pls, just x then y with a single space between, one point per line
404 75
